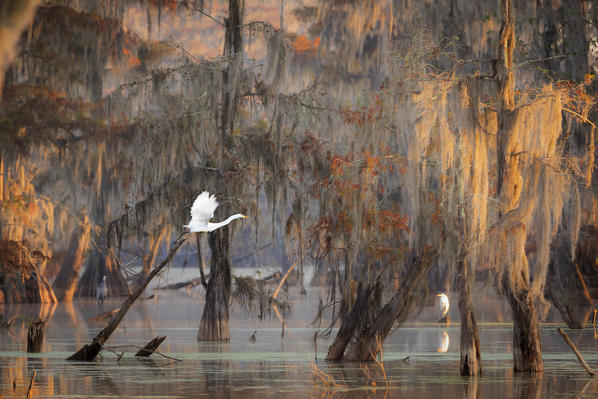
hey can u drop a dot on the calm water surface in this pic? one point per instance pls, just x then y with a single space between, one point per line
273 366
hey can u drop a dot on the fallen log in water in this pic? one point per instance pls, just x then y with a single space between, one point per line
176 286
89 352
198 280
35 335
151 346
579 357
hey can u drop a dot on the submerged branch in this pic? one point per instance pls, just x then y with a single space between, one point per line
579 357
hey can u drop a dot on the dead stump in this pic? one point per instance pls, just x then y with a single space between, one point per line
35 335
150 347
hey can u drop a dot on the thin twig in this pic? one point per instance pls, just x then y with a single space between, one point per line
583 118
207 15
141 347
322 376
541 60
118 356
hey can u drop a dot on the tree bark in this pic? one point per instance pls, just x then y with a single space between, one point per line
369 339
35 336
20 278
471 360
151 346
66 280
527 351
351 323
214 319
89 352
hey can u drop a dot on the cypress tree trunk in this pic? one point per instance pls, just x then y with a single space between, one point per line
66 280
471 361
214 320
352 322
527 351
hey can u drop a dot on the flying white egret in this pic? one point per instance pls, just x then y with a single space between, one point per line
444 307
203 210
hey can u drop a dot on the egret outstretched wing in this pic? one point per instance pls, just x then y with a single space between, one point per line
202 210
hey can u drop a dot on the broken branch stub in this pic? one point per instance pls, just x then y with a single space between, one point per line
35 336
151 346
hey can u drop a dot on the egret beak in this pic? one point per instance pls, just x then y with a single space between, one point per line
438 295
244 217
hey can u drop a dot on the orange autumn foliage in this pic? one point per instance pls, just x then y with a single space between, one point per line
303 45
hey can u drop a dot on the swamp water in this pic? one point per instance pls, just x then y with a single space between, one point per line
272 366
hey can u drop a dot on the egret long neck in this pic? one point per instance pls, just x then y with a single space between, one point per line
214 226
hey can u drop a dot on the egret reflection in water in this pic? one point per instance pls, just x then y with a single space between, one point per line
443 342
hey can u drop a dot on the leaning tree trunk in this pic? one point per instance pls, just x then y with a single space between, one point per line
368 340
66 280
352 322
471 361
214 320
89 352
527 352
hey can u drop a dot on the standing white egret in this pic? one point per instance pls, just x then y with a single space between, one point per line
444 307
203 210
102 290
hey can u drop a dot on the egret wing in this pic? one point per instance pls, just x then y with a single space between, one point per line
203 209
